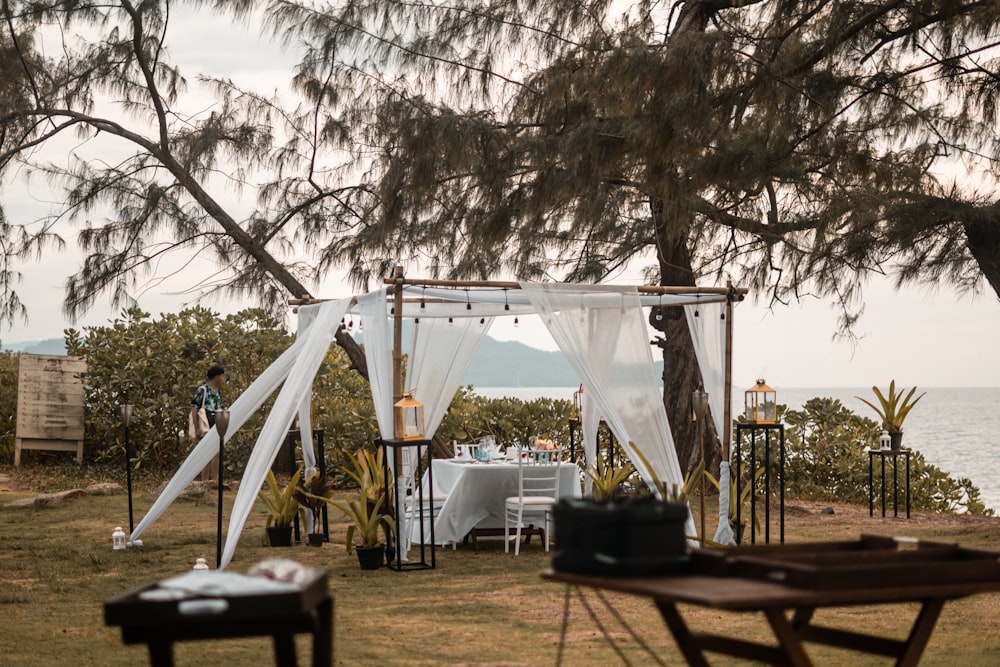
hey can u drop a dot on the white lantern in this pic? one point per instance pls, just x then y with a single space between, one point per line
884 440
118 538
761 404
201 564
409 418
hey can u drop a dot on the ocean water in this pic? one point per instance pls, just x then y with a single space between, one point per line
956 429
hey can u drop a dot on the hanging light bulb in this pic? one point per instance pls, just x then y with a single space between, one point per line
515 320
482 320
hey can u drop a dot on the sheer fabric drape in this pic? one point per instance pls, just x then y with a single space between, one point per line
708 333
602 333
293 371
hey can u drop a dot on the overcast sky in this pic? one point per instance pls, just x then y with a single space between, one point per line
929 339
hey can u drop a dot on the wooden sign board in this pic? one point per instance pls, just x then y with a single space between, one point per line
50 404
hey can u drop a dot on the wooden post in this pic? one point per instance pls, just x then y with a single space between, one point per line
397 349
727 408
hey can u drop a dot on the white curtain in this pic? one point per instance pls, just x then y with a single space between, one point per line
708 332
442 353
297 386
590 423
378 355
602 332
241 409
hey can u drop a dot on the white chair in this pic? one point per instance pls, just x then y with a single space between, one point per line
537 492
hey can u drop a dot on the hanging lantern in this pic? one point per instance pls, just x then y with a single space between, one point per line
409 418
760 406
699 403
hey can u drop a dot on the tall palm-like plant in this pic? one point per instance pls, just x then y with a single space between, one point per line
313 494
893 408
282 505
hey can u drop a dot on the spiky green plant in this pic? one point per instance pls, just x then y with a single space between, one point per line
282 506
607 479
365 518
367 468
892 409
313 494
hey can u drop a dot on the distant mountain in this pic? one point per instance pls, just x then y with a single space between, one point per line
512 364
55 346
498 363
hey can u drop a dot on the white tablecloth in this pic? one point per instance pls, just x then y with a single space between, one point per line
476 494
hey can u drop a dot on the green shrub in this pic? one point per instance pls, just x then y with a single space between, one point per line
826 459
8 404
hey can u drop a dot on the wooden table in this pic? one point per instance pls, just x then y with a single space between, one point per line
803 578
159 623
476 494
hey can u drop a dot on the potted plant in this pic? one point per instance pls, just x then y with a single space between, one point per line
282 508
314 494
367 469
366 519
892 409
634 535
606 479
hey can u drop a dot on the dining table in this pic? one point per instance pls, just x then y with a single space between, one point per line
474 492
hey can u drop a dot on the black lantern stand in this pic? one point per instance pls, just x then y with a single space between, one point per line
421 502
753 430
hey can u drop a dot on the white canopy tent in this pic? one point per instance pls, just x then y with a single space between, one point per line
601 329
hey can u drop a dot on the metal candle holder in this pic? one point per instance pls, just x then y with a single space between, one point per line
221 425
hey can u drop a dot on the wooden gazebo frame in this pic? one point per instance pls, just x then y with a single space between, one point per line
398 281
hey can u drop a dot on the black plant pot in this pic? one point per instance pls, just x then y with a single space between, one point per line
630 537
279 536
316 539
370 558
896 440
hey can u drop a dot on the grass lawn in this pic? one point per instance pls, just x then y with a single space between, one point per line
477 608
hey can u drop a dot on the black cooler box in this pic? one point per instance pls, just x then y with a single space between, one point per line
634 537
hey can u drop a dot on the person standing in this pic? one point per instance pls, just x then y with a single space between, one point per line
209 396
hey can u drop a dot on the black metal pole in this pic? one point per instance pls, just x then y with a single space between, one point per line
218 536
125 412
128 477
221 426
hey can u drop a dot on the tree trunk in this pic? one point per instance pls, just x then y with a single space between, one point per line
681 375
983 240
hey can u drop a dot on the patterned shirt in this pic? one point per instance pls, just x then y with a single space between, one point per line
213 400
